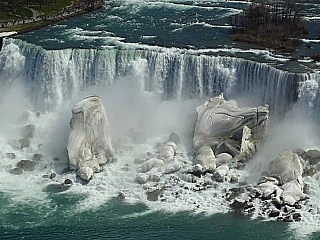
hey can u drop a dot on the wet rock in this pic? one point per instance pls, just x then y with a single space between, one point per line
306 188
238 204
112 160
313 156
310 172
233 179
233 193
223 158
139 161
121 196
11 156
37 157
153 196
243 183
296 217
16 171
125 169
159 145
274 213
174 138
299 151
45 176
24 143
52 175
68 181
26 165
221 172
56 159
28 131
149 155
287 219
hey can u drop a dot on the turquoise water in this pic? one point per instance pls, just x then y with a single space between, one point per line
118 220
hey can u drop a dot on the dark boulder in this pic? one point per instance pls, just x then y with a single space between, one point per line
274 213
26 165
68 181
238 204
37 157
121 196
28 131
16 171
153 196
174 138
24 143
313 156
11 156
52 175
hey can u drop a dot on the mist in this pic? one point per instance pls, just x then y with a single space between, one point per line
297 130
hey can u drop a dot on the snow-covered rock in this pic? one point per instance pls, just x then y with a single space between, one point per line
289 167
221 125
89 142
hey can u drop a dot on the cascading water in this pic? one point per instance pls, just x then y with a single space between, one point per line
56 75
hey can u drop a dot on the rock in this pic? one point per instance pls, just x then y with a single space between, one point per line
223 158
153 196
89 142
264 179
233 179
37 157
267 188
28 131
26 165
142 178
313 156
243 183
11 156
221 123
19 144
233 193
121 196
149 155
310 172
205 158
139 161
24 143
296 217
53 175
45 176
174 138
274 212
289 166
125 169
221 172
299 152
68 181
168 151
287 219
16 171
56 159
112 160
238 204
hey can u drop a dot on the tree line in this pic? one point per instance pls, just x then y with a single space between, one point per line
268 12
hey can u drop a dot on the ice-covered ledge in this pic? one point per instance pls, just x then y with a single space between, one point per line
89 142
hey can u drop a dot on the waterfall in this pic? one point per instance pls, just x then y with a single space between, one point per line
52 76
